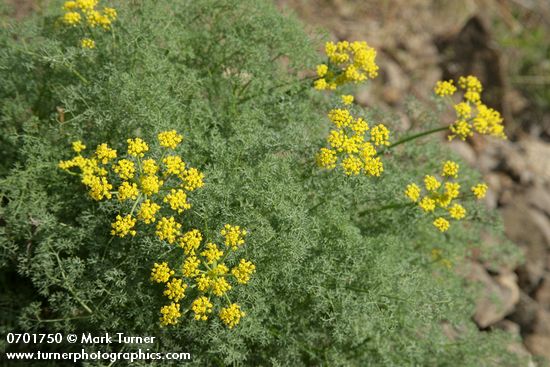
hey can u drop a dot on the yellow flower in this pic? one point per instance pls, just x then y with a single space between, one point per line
125 169
463 110
86 5
243 271
380 134
442 224
110 13
170 314
347 99
219 270
191 241
326 158
320 84
149 167
374 166
192 179
168 229
413 192
462 129
431 183
452 190
137 147
161 272
340 117
99 187
148 211
450 169
174 165
94 18
457 211
177 199
360 126
352 165
104 154
488 121
231 315
127 191
220 286
69 5
78 146
355 61
212 253
71 18
87 43
203 283
234 236
445 88
480 190
175 289
123 226
470 82
169 139
322 70
201 307
427 204
151 184
190 267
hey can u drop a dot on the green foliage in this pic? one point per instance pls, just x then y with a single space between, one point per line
337 282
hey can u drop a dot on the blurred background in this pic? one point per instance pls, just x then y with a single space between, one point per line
506 44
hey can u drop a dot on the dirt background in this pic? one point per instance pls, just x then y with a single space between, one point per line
422 41
506 43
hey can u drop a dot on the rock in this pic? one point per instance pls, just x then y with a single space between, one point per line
539 197
516 163
537 154
508 326
543 293
498 297
538 345
541 324
524 226
525 313
516 347
465 151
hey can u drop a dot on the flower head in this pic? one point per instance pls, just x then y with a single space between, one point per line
442 224
168 229
87 43
234 236
231 315
123 226
202 307
161 272
137 147
170 139
78 146
170 314
175 289
480 190
450 169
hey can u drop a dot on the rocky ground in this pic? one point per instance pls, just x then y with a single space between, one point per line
422 41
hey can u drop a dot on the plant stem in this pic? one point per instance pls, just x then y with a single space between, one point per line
415 136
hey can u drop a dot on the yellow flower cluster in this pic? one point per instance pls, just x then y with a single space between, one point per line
87 14
348 141
472 115
441 194
138 180
347 62
205 275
